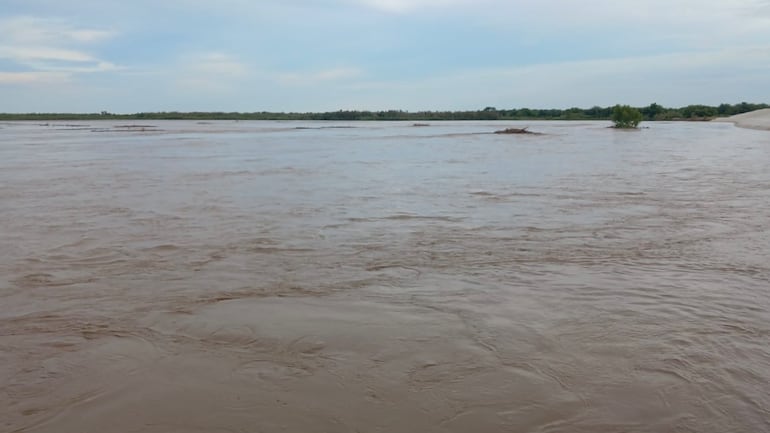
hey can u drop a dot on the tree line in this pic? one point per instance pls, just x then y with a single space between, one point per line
651 112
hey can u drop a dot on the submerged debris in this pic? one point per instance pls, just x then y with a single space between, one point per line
524 130
128 128
326 127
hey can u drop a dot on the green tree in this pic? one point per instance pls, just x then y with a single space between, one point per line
574 113
652 112
699 111
626 117
725 110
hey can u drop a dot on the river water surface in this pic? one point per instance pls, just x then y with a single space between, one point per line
380 277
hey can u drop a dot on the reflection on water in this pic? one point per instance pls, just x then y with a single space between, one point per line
278 276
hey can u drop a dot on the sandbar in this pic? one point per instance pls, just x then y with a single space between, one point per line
759 119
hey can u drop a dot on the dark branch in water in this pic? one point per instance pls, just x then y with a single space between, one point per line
524 130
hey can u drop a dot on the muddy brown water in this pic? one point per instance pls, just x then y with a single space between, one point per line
269 276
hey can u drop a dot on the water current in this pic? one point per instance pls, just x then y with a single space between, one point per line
380 277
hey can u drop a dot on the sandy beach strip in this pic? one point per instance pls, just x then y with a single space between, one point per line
759 119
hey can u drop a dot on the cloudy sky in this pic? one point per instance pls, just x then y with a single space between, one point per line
317 55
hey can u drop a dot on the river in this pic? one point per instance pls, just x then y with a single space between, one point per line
181 276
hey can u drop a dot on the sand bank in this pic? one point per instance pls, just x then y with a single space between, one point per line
759 119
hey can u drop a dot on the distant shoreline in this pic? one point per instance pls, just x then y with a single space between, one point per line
653 112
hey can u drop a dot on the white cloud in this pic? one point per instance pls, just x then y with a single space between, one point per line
709 77
32 77
316 77
50 48
30 53
218 65
697 21
34 30
211 72
90 36
403 6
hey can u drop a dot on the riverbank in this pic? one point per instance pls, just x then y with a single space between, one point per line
759 119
